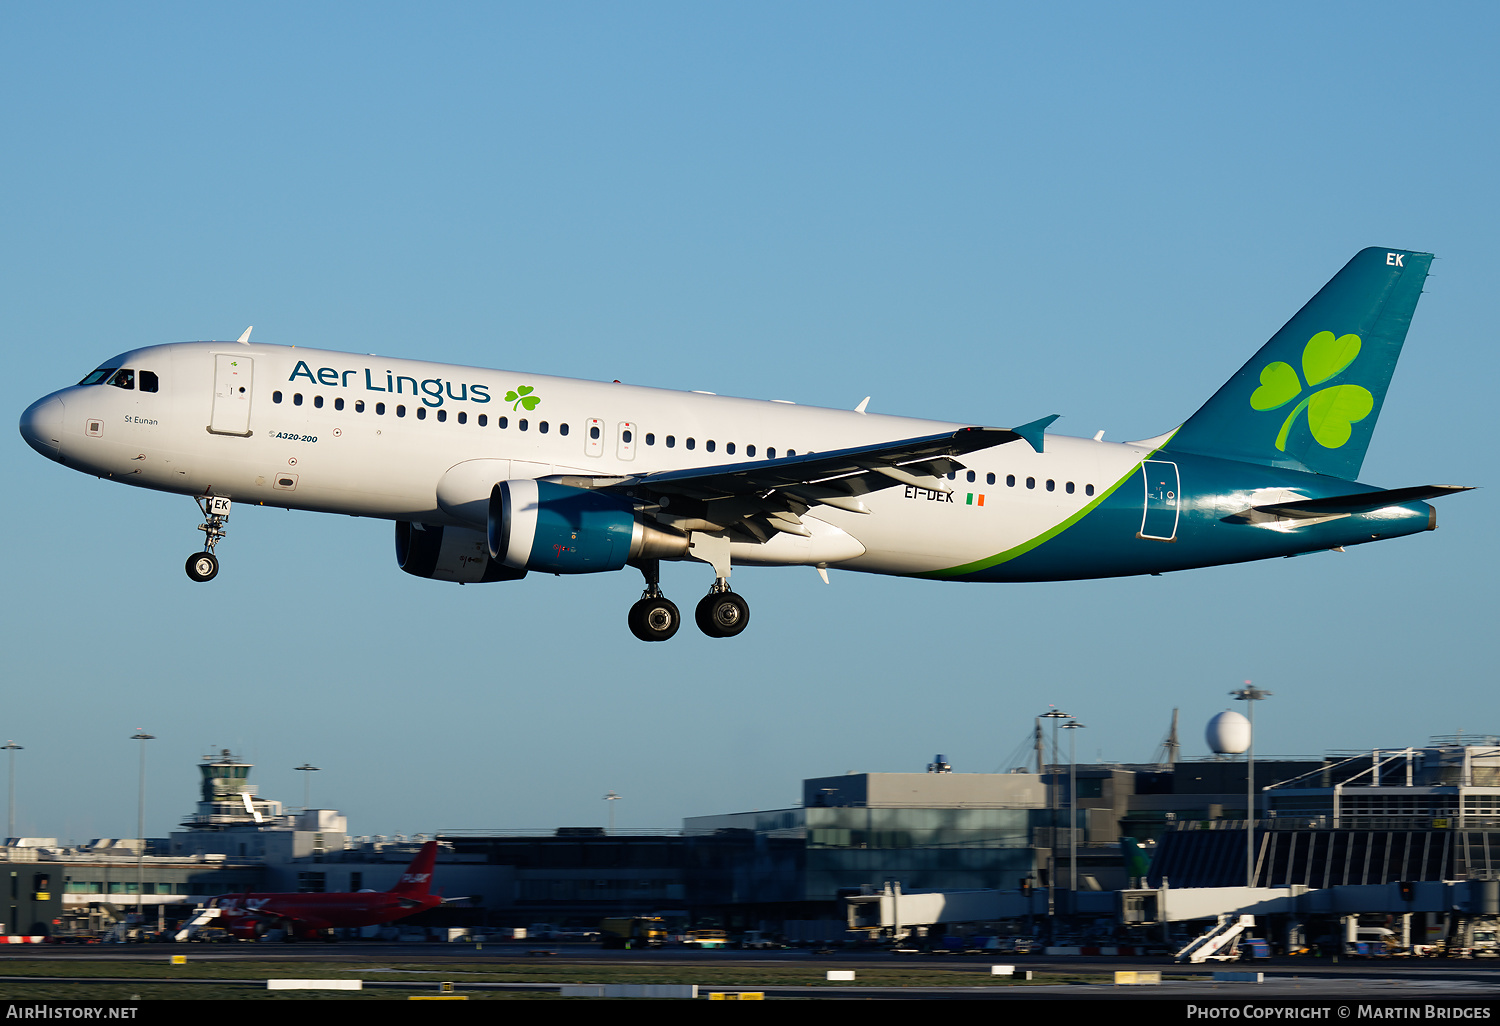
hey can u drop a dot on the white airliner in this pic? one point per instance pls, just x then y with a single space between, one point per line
489 474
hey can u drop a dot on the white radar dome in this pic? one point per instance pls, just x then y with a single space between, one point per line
1228 733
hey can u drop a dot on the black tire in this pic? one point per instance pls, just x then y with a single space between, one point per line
722 614
654 619
202 566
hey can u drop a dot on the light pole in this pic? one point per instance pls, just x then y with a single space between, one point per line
140 856
1054 714
1071 726
610 799
1250 694
307 768
12 748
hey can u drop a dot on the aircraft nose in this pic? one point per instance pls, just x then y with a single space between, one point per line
41 426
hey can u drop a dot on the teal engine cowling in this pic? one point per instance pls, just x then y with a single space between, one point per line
442 553
539 525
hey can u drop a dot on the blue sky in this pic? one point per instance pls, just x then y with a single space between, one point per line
980 212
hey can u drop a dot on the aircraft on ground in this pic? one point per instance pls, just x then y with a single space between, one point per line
490 474
309 916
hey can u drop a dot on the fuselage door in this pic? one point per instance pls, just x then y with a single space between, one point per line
1163 488
593 436
233 376
625 447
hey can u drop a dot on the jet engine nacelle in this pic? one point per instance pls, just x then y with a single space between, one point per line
448 554
246 927
539 525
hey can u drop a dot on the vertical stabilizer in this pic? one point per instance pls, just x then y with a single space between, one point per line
418 876
1310 398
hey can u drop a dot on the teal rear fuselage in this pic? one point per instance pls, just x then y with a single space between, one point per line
1128 532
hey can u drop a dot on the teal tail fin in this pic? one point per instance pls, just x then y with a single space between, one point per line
1309 399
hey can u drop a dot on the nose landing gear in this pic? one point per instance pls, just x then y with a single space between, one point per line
204 566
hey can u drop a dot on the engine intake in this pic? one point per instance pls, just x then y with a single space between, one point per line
448 554
539 525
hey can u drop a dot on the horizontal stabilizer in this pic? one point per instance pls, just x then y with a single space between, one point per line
1364 502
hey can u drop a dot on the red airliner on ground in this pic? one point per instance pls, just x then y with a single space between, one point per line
309 916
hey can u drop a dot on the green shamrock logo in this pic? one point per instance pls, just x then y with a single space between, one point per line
1331 412
523 397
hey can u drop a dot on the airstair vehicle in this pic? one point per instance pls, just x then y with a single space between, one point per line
202 918
1220 943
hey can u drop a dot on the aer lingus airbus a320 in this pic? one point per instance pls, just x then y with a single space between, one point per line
489 474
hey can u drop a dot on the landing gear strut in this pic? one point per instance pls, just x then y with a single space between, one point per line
204 566
654 617
722 613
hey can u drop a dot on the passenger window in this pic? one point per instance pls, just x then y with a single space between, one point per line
594 431
275 397
400 411
771 453
318 401
650 438
989 479
523 424
338 404
1010 480
671 441
562 429
484 419
709 445
297 399
750 450
729 448
380 409
1088 489
971 477
148 381
1051 485
1031 482
1069 487
359 406
542 427
124 378
463 418
691 443
421 413
503 423
793 452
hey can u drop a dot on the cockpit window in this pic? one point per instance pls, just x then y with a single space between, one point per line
148 381
124 378
98 376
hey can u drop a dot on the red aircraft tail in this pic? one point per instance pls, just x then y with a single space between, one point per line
418 876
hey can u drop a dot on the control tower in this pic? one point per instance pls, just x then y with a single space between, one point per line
232 820
227 798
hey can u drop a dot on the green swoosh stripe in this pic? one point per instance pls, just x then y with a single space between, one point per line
1045 536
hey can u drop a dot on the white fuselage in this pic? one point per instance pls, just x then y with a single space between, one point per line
425 442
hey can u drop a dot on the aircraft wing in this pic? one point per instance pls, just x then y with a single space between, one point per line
766 496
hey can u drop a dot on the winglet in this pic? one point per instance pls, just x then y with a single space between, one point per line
1032 432
244 339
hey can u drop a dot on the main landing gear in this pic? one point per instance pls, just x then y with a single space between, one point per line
721 614
204 566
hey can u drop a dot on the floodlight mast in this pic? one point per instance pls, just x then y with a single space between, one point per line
1250 694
